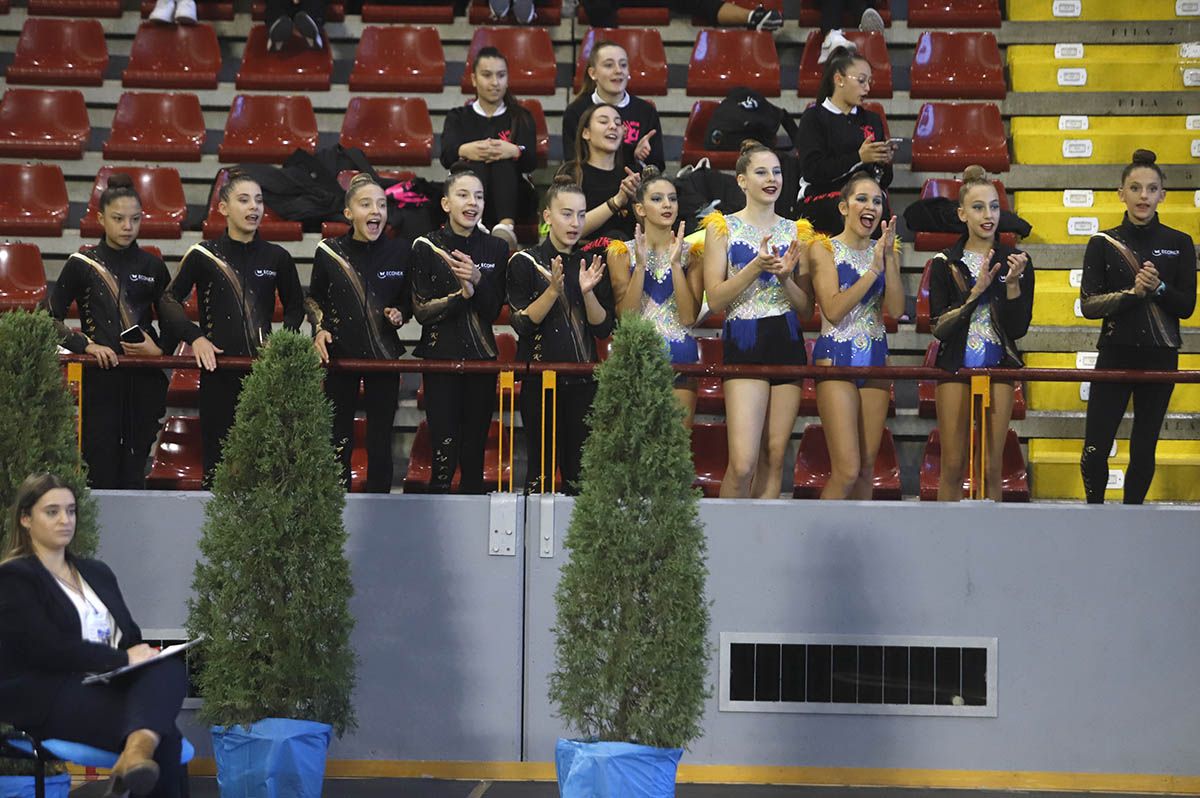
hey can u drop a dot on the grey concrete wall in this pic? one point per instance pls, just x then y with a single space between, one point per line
1094 610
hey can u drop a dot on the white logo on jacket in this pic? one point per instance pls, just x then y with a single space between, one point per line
264 272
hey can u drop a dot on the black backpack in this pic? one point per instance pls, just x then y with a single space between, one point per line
703 190
746 114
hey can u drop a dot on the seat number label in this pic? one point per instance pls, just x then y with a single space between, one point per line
1067 8
1196 148
1078 309
1116 479
1073 50
1073 123
1075 278
1078 198
1082 226
1086 360
1072 76
1191 77
1077 148
1193 122
1187 8
1189 50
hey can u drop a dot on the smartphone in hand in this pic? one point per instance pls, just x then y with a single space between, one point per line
134 335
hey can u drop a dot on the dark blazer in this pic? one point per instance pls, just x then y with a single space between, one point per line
41 640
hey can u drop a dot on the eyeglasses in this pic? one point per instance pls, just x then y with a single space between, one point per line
863 80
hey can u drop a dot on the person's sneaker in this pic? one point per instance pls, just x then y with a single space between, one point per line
871 20
767 19
164 11
499 8
307 27
505 233
523 11
280 32
185 12
833 40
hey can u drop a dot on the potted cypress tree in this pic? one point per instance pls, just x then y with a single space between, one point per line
632 622
37 426
272 590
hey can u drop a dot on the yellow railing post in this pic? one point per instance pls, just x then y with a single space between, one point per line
981 402
75 386
549 385
507 388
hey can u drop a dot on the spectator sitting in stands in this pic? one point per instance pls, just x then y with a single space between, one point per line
306 17
603 14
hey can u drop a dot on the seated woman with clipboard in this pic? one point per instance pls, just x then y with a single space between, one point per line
62 617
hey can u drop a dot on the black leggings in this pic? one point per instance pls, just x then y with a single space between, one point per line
459 410
381 392
217 400
287 8
501 186
121 411
574 400
102 716
603 13
1106 406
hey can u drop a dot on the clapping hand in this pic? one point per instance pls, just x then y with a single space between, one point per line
554 277
677 244
394 316
766 260
590 277
463 268
639 246
1147 279
986 275
1016 266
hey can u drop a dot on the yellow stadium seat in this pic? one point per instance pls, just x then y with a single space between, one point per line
1104 67
1054 470
1056 299
1105 139
1073 216
1099 10
1072 396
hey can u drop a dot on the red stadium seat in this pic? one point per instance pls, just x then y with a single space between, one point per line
924 321
934 242
334 12
178 462
206 10
813 466
399 59
267 128
549 12
530 54
960 64
272 227
43 123
173 57
634 16
534 107
710 454
432 14
358 456
953 14
1014 474
927 389
156 127
723 58
74 8
390 130
710 394
951 136
22 277
420 462
869 43
647 57
60 52
184 388
810 16
295 68
164 207
34 201
4 6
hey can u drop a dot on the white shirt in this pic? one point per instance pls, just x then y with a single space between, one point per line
478 108
596 100
95 620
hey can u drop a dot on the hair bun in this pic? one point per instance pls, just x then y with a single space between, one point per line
650 174
842 51
120 180
974 172
563 178
1144 157
461 166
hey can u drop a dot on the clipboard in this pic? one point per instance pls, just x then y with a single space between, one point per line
169 651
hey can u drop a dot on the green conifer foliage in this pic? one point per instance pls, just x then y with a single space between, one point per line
37 419
273 586
632 628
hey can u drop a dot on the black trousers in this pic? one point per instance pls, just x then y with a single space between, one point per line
102 716
459 409
501 189
121 411
603 13
1106 405
286 8
217 400
381 392
574 400
833 13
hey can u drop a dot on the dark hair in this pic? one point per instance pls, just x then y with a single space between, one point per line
583 149
234 176
1143 159
589 83
562 184
854 180
520 116
750 148
973 176
119 185
839 60
357 182
651 174
29 493
458 171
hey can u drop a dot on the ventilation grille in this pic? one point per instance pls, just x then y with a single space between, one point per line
863 675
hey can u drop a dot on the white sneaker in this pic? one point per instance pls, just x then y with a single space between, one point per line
164 11
871 21
833 40
185 12
505 233
499 8
523 11
278 34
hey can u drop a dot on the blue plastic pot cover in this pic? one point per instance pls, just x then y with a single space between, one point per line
273 758
615 770
23 787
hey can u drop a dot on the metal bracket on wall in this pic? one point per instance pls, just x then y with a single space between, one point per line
502 525
546 525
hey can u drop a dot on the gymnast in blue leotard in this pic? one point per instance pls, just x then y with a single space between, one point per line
856 280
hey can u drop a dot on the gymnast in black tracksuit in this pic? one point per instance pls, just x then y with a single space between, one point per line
1140 278
357 298
458 277
116 285
236 278
561 302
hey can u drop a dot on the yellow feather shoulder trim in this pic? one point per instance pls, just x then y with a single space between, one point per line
696 251
823 240
896 245
804 231
715 221
617 247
